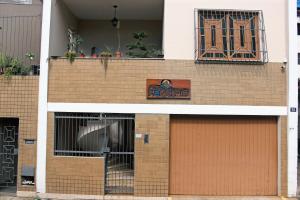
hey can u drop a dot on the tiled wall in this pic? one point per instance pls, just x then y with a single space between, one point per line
19 99
72 175
152 159
124 81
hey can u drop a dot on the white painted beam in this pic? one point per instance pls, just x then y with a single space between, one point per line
42 104
168 109
292 132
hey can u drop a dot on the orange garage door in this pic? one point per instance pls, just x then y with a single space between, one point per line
223 156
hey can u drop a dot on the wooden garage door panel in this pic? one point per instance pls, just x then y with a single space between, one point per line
223 156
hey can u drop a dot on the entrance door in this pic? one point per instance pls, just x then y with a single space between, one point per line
119 159
223 156
8 154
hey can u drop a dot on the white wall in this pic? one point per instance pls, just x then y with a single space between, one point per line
100 33
61 20
179 25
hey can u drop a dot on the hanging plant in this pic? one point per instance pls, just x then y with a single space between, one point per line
105 55
71 55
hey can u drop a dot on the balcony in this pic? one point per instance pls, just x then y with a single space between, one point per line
115 29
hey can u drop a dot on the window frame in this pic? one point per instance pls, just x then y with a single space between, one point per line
254 53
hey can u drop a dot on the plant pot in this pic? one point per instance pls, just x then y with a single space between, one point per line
118 54
94 56
82 55
105 57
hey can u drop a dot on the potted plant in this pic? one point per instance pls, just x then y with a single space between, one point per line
30 56
138 49
94 52
81 54
74 42
156 53
118 54
12 66
106 53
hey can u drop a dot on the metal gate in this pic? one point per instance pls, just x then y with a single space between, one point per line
8 154
98 135
119 157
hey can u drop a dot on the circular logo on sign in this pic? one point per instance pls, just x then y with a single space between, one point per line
166 84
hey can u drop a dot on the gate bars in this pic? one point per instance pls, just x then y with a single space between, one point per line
100 135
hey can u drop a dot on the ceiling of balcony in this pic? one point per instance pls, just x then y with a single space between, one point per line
127 9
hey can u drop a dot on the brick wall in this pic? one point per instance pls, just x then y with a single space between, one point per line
152 159
19 99
124 81
72 175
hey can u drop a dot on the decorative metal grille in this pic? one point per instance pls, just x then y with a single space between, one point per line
230 36
8 152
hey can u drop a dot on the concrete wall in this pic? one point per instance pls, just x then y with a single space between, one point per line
61 20
124 81
179 25
19 99
100 33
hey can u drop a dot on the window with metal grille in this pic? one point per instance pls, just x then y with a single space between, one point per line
92 134
16 1
230 36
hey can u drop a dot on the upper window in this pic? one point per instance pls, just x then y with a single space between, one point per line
231 36
16 1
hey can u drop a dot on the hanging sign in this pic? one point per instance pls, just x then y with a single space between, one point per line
168 89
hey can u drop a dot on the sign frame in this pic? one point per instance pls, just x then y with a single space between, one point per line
168 89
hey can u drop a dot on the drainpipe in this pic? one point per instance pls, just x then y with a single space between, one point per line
42 103
292 132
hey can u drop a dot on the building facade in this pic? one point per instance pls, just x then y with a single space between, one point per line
165 98
20 35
